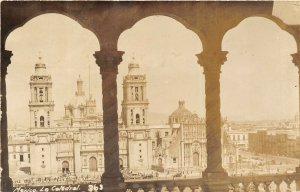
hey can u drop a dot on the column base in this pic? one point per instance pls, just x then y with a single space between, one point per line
113 183
214 175
216 181
6 184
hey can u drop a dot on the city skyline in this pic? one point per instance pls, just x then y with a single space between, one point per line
169 85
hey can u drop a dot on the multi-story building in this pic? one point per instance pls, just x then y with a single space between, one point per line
275 144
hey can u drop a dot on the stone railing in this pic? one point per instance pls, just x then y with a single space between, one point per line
260 183
186 185
257 183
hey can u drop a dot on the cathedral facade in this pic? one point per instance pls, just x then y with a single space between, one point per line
73 144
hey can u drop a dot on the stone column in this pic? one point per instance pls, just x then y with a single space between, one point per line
6 182
296 61
214 174
108 60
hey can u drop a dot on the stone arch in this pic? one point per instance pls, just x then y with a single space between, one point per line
42 121
174 17
93 164
65 167
196 159
272 18
251 52
37 14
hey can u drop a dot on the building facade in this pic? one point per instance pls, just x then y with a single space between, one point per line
265 142
73 144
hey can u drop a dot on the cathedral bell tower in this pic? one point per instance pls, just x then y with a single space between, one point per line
135 118
135 102
41 105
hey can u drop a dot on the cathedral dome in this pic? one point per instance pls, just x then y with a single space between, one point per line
181 114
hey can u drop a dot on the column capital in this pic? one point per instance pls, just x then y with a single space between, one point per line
5 60
108 60
296 59
212 61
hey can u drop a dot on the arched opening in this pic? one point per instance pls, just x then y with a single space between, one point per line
55 38
65 167
42 121
259 86
167 59
159 162
92 164
137 119
121 163
195 159
66 50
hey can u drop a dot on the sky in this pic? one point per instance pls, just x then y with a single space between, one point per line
258 81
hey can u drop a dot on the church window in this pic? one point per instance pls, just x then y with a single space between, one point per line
137 118
143 120
140 156
166 134
48 123
35 123
35 94
46 93
41 94
174 160
42 149
131 121
131 93
136 93
15 156
142 93
21 158
100 160
42 119
140 144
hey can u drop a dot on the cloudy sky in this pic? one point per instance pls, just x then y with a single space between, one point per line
258 81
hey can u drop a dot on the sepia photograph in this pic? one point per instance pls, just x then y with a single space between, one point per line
150 96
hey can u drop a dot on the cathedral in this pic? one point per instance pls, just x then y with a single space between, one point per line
73 144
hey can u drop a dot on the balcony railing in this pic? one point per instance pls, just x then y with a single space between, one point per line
257 183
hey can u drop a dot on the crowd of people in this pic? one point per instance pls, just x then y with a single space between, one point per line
63 179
